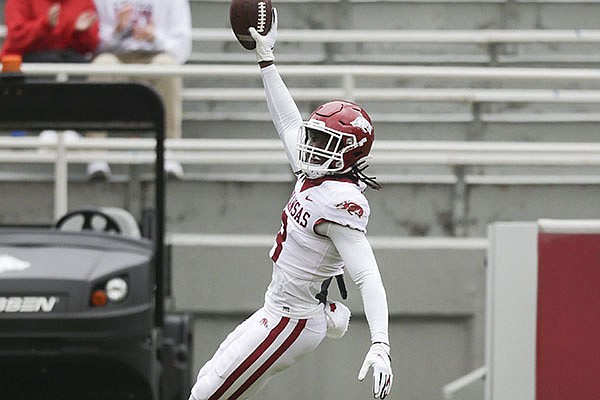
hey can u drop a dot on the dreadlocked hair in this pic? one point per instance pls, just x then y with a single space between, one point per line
370 181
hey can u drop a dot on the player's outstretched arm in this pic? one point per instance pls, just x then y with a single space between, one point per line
361 265
284 111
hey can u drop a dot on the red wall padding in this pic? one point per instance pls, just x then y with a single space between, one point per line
568 317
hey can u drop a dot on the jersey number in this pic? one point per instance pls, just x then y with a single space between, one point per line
281 236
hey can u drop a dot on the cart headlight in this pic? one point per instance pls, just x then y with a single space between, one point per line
116 289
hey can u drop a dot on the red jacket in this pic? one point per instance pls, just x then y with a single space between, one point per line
28 29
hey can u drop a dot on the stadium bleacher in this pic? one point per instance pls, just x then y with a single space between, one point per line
472 139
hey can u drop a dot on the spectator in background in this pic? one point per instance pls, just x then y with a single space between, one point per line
149 32
51 31
46 31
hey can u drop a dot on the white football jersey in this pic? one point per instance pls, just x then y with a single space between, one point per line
302 258
292 321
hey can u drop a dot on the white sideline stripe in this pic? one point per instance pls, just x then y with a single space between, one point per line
378 242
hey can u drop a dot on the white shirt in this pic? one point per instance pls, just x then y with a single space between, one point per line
322 231
172 27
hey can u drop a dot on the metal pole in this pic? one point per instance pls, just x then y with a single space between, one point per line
60 178
450 389
160 200
349 86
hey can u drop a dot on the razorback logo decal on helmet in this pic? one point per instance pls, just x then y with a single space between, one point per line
363 124
351 207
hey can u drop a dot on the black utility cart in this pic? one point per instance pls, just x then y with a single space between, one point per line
82 312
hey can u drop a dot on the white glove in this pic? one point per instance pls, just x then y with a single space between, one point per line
265 44
379 358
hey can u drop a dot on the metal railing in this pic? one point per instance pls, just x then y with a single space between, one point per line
488 39
450 389
347 77
349 82
378 242
415 36
61 154
456 36
455 155
347 72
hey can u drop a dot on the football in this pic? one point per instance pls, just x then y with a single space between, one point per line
244 14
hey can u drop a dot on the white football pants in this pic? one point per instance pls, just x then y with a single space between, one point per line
257 349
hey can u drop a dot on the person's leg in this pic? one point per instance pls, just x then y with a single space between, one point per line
309 336
54 56
105 59
170 90
253 353
99 169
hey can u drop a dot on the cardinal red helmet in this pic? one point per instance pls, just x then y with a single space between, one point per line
337 136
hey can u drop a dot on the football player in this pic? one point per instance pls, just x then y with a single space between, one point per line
322 235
